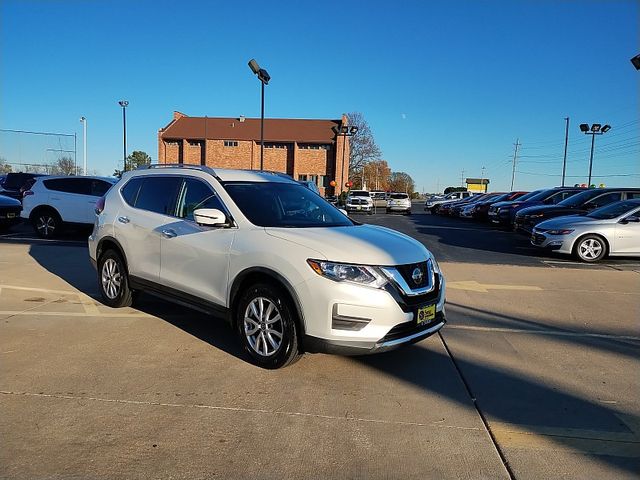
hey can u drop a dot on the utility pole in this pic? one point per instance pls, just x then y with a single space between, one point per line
566 142
482 180
515 159
462 178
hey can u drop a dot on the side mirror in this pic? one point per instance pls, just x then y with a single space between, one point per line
630 219
210 217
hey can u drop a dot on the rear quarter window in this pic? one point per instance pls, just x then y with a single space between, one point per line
79 186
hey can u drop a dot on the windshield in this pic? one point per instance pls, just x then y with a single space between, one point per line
276 204
580 198
398 196
496 198
614 210
531 195
359 193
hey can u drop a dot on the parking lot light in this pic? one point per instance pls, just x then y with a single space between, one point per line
264 78
596 129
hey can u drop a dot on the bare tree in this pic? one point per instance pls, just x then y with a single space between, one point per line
64 166
4 166
363 146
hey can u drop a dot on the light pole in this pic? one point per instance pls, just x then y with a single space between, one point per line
344 131
83 120
595 129
123 104
264 78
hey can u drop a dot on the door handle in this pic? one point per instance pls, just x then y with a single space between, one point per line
123 219
169 233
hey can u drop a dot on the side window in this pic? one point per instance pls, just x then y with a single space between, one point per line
158 194
558 197
69 185
130 191
603 200
632 195
196 194
99 187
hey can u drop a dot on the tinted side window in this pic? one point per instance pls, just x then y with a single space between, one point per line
558 197
130 191
158 194
69 185
196 194
603 200
632 195
99 187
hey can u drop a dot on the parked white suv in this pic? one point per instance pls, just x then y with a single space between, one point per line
52 202
288 270
359 201
399 202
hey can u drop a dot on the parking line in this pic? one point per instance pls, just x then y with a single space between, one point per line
560 333
436 424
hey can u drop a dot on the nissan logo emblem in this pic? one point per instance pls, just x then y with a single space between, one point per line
416 276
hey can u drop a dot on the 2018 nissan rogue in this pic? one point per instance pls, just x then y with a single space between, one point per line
288 270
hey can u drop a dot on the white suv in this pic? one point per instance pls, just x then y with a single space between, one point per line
52 202
288 270
399 202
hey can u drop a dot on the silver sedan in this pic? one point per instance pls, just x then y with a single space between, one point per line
610 230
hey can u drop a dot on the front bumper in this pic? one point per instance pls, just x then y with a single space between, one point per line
389 316
359 208
500 218
557 243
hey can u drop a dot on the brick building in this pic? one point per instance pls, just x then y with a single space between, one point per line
304 149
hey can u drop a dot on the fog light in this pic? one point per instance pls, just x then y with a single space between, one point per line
346 322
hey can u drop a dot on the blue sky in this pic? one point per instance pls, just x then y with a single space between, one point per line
445 86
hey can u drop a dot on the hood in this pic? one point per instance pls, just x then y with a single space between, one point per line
9 202
358 244
568 222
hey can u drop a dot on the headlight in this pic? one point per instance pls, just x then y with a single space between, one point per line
342 272
434 264
536 215
559 232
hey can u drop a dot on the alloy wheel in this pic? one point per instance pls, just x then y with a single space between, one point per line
46 225
263 326
111 278
590 249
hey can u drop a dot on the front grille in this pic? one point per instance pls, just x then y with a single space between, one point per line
407 272
538 239
407 329
357 201
409 303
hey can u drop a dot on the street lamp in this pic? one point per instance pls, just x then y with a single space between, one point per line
123 104
83 120
593 130
344 131
264 78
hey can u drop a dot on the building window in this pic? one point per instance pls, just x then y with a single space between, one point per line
230 143
324 181
172 143
314 146
284 146
195 143
302 178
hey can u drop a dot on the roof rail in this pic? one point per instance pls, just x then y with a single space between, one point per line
203 168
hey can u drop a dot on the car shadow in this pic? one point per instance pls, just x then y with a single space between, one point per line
508 398
71 264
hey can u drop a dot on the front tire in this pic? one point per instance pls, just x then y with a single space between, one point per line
590 248
266 325
113 280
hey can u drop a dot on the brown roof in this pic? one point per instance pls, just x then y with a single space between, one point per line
275 129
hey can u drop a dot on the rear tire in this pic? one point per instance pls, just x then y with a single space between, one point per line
46 223
590 248
113 280
267 327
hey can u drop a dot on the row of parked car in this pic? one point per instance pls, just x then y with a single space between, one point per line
589 223
363 201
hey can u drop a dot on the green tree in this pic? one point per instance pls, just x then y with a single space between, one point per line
137 159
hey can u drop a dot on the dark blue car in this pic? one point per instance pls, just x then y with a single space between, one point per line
503 213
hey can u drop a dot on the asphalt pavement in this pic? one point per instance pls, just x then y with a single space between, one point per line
534 376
